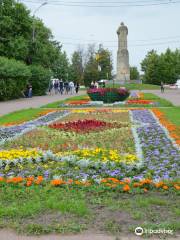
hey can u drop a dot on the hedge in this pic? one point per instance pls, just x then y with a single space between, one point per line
14 76
40 79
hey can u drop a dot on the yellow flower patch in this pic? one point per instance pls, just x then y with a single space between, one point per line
18 153
102 154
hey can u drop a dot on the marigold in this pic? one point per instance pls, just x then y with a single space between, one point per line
165 187
176 187
126 188
145 190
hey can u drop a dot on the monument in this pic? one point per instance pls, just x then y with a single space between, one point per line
123 70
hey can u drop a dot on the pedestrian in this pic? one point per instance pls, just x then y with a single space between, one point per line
50 87
61 86
66 87
30 91
92 85
96 85
77 87
71 87
56 86
162 87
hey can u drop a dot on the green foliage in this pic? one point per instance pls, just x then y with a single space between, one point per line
105 62
91 71
14 76
40 79
76 68
16 41
164 67
98 65
61 67
134 73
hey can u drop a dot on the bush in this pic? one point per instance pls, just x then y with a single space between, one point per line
14 76
108 95
40 79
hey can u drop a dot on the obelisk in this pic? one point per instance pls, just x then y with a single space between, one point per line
123 70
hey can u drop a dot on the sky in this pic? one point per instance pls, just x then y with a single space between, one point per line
150 27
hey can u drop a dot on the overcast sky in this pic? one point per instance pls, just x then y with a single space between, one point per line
154 27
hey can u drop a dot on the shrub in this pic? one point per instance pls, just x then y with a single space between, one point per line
14 76
108 95
40 79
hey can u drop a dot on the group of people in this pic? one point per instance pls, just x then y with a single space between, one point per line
58 86
96 84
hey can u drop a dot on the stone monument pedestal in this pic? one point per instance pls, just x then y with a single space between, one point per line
123 70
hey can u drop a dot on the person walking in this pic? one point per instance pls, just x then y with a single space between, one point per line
162 87
50 87
56 86
30 91
61 86
96 85
77 87
66 87
71 87
92 85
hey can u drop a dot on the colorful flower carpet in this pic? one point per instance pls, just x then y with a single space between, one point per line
127 149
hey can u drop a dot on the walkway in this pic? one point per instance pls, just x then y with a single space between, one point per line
35 102
10 235
172 95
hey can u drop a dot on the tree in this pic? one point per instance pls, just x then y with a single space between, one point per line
77 68
164 67
105 63
134 73
61 67
151 66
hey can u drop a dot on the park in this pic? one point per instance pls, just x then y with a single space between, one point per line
88 149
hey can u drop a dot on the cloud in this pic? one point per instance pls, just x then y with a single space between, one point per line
73 26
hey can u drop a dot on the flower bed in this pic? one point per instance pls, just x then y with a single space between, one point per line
140 102
84 126
7 133
93 151
161 157
108 95
174 131
142 186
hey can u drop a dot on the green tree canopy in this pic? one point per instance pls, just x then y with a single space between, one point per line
134 73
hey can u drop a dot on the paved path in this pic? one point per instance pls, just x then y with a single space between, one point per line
10 235
14 105
172 95
22 103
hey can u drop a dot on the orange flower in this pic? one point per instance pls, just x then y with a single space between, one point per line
136 185
29 183
31 178
145 190
176 187
1 179
77 182
165 187
126 188
159 184
57 182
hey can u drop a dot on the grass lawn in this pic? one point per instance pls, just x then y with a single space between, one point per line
21 116
147 96
43 210
134 86
56 104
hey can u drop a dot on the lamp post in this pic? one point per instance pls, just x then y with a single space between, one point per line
35 11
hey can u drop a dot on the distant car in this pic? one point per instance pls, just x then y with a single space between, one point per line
102 80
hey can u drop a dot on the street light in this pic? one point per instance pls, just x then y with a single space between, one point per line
35 11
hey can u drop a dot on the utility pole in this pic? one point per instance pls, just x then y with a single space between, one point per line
35 11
